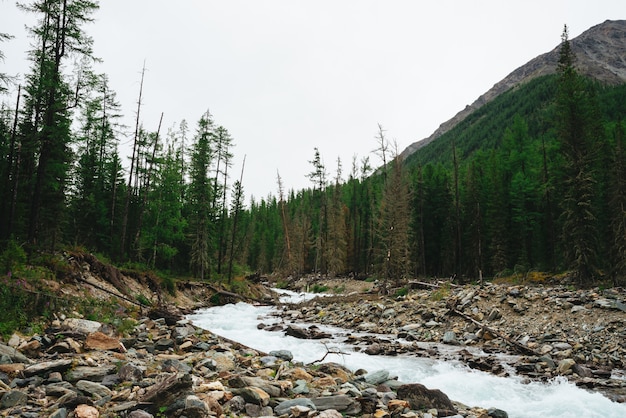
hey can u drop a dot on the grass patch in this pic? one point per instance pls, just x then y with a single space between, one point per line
441 293
319 288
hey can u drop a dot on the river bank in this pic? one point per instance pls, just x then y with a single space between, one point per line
539 331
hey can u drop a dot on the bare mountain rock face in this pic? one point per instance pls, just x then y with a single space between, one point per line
600 53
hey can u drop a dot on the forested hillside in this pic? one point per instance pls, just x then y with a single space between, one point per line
534 180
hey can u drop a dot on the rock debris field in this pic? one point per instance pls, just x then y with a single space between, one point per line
167 367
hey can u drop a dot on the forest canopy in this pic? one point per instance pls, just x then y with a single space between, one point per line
533 181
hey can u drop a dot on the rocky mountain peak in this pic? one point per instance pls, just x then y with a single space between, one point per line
600 53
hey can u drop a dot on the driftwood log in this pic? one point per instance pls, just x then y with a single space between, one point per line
516 345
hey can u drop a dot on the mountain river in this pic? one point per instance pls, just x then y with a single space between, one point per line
559 398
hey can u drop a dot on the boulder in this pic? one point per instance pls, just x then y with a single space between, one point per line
420 397
100 341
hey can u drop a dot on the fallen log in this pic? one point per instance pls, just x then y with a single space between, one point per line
518 346
235 295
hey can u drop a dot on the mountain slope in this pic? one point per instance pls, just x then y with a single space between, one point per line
600 53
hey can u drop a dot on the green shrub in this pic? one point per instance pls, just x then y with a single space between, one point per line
169 284
143 300
319 288
12 258
403 291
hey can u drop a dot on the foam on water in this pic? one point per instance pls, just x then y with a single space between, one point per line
558 399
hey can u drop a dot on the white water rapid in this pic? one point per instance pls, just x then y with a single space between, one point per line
558 399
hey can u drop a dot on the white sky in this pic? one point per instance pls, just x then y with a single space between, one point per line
285 76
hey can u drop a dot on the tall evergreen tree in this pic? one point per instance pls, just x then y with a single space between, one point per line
59 35
201 228
393 228
575 131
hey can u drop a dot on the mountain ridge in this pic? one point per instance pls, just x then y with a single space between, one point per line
600 53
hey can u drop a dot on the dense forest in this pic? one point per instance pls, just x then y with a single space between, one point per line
533 181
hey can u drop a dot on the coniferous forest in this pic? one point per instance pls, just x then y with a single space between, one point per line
534 181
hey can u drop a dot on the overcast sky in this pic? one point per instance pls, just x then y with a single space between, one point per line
286 76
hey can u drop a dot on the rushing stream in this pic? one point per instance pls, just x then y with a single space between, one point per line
558 399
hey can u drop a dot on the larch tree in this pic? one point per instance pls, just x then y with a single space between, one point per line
393 250
59 36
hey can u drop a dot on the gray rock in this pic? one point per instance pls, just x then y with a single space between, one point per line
13 398
338 402
14 355
236 404
195 407
449 337
285 406
497 413
300 388
377 377
130 373
47 367
93 388
253 410
94 374
164 344
282 354
174 366
82 326
59 413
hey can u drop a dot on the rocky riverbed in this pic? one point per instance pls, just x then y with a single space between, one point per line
166 367
539 331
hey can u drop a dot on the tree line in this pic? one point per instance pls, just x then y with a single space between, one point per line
534 180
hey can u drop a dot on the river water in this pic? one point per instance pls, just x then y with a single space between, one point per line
558 399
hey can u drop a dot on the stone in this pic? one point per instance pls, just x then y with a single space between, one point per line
86 411
13 398
497 413
195 407
282 354
47 367
94 374
449 337
254 410
285 406
93 388
377 377
82 326
130 373
14 355
174 366
338 402
100 341
164 344
59 413
270 388
565 365
420 397
30 348
253 395
329 413
166 391
373 349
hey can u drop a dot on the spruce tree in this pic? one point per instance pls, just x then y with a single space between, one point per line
575 132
